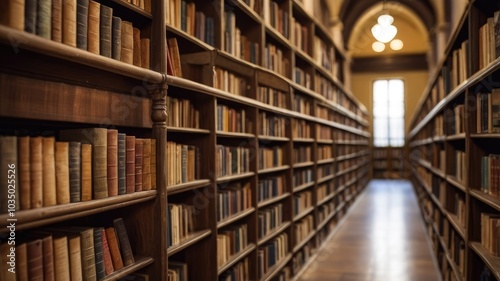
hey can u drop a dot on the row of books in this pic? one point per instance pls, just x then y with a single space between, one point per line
277 17
177 271
174 65
325 171
438 188
143 4
301 177
302 202
460 168
236 43
490 233
181 223
324 190
269 188
272 97
269 219
323 54
349 163
230 242
302 104
230 82
325 87
271 253
324 152
182 113
301 258
183 163
303 228
458 66
324 112
300 36
488 111
346 136
455 120
438 127
70 253
230 119
238 272
285 274
326 209
301 129
232 160
489 46
490 174
458 209
270 157
272 125
233 199
343 150
275 60
302 154
457 251
302 77
83 164
183 15
323 132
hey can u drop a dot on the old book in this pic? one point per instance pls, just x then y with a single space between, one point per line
44 19
114 248
21 273
116 37
122 181
86 172
106 254
87 251
146 164
35 259
127 46
49 171
153 163
137 46
6 273
48 258
75 151
69 22
138 164
30 7
36 178
105 31
112 162
130 164
145 52
98 250
23 170
126 249
82 21
62 172
75 257
98 138
495 111
175 56
496 27
170 67
8 162
12 13
93 37
61 258
56 24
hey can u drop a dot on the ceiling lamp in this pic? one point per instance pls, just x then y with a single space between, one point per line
384 31
378 46
396 44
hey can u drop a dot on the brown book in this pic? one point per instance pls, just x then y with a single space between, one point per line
49 171
170 67
145 52
130 164
8 162
48 258
116 38
43 19
86 172
105 32
75 171
139 148
57 10
23 160
61 258
126 249
12 13
153 163
35 259
127 43
98 138
94 27
62 172
82 24
114 248
7 271
75 257
137 46
112 162
69 23
122 149
146 164
21 263
106 255
36 178
175 56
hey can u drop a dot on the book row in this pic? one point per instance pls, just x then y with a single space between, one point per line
181 223
269 219
233 199
490 174
271 253
184 163
230 242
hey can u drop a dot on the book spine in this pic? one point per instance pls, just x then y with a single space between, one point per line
122 181
130 164
8 162
48 259
56 30
30 8
75 257
153 163
100 163
138 164
44 19
21 263
69 23
127 46
88 255
82 23
99 258
105 31
93 36
146 164
12 14
75 171
36 177
61 258
112 162
126 249
86 172
62 172
49 172
114 248
116 47
108 263
35 260
145 52
136 33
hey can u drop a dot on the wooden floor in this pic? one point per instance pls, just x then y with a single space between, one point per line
382 239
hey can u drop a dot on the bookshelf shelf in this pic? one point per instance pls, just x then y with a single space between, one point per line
236 258
485 136
325 161
183 187
323 141
192 239
273 170
488 199
221 134
42 216
304 242
273 200
187 130
273 233
303 187
454 221
235 217
303 164
271 138
303 214
235 177
492 262
326 199
275 269
327 178
130 7
457 137
140 262
455 182
306 140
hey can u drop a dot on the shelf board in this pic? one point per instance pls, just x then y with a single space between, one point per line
275 269
236 258
303 214
192 239
325 161
421 142
460 136
485 136
452 264
327 178
273 233
235 177
229 220
194 40
492 262
304 241
303 164
46 215
140 262
456 224
324 141
303 186
272 170
134 8
439 138
221 134
488 199
272 138
348 142
454 181
187 130
273 200
307 140
183 187
326 199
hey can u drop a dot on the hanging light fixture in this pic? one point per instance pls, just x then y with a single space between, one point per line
384 31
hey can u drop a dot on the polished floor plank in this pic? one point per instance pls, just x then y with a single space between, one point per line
382 239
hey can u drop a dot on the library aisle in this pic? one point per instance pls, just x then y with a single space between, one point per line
382 239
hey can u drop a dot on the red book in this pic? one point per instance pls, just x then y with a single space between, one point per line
108 263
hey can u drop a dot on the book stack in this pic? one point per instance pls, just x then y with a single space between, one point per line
490 233
272 125
270 157
233 199
301 154
302 202
230 119
272 97
490 174
182 113
183 163
232 160
271 253
269 219
301 129
230 242
181 223
269 188
230 82
303 228
302 177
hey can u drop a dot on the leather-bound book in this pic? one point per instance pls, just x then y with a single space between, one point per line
82 21
36 177
75 175
69 23
49 171
30 7
62 172
146 164
106 254
98 250
35 259
75 257
112 162
86 172
12 13
56 25
137 46
44 19
138 164
48 258
24 181
93 36
127 51
61 258
8 162
116 38
126 249
145 52
114 248
122 181
153 163
21 273
130 164
105 31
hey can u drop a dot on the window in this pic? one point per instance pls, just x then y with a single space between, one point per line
388 113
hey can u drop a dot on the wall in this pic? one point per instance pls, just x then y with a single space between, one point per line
415 83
